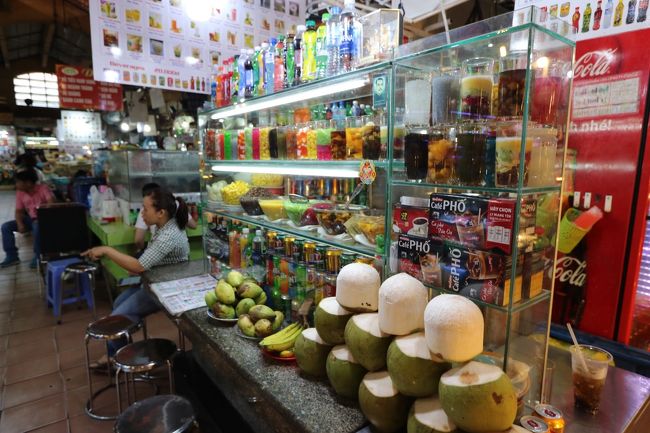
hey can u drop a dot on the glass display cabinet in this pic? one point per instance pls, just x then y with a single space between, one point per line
458 142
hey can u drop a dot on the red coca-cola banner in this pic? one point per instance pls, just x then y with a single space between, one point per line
78 89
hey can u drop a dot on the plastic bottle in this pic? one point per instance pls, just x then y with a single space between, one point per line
618 14
256 70
575 19
260 87
278 73
598 15
586 18
350 37
298 55
333 41
227 77
643 11
356 109
631 10
289 60
213 86
269 67
248 71
321 47
243 244
235 255
607 16
241 69
309 52
234 80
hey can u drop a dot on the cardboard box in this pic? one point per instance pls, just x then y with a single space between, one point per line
421 258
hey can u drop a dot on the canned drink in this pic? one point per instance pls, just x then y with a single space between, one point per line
309 252
288 246
271 237
552 416
319 287
534 424
347 258
365 260
297 250
319 256
329 286
333 260
301 281
278 248
327 188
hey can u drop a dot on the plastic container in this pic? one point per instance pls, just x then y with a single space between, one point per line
299 210
332 218
570 234
273 208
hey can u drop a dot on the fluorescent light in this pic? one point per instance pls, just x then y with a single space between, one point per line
289 171
263 104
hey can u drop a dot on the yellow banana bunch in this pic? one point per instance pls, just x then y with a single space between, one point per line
282 340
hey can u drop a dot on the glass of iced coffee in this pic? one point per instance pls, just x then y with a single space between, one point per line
588 384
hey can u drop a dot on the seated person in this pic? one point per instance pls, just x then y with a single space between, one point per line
141 228
29 196
168 245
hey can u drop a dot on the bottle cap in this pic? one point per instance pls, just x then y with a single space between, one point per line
245 230
310 23
325 17
258 232
273 41
335 10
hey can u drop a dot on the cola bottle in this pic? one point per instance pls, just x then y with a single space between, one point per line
631 9
597 16
643 9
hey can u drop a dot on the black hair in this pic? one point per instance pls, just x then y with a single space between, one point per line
176 208
27 175
148 187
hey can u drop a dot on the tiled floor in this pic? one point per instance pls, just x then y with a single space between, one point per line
43 386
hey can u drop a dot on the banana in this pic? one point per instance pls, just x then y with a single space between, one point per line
285 344
280 335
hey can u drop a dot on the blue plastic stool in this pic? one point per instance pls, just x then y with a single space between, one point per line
54 282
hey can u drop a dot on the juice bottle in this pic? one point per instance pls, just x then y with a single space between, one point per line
256 70
575 19
297 53
586 18
279 71
248 74
321 47
234 254
618 14
243 243
289 60
309 54
234 79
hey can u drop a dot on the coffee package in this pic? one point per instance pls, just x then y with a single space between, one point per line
421 258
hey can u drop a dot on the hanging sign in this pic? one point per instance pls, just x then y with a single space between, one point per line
78 90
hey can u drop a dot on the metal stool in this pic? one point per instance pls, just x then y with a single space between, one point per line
107 328
142 357
157 414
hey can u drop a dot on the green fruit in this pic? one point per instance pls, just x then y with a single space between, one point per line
427 416
249 290
311 352
330 320
225 293
380 402
223 311
234 278
258 312
344 372
411 367
263 328
261 299
210 298
243 306
246 325
478 397
366 341
277 322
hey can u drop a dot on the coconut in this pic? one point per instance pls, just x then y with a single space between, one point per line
478 397
344 372
357 287
330 320
311 352
366 341
381 403
402 300
412 368
427 416
453 327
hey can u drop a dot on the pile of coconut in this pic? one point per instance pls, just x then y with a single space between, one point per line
385 346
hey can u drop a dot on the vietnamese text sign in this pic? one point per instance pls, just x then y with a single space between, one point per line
78 89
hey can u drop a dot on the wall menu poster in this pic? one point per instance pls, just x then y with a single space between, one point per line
78 90
594 19
155 43
80 127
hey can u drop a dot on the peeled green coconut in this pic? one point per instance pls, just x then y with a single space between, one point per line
402 300
357 287
344 372
413 370
330 320
311 352
453 327
381 403
366 342
478 398
427 416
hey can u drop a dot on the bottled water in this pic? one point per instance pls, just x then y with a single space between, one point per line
333 41
350 37
269 67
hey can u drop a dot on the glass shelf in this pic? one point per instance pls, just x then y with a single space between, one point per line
519 306
295 167
486 189
283 228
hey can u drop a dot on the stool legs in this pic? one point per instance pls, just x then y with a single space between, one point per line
117 387
171 377
91 284
90 382
92 395
58 303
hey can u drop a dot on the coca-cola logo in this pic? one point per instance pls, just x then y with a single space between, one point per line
596 63
572 270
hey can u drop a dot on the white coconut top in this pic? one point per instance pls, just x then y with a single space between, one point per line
402 300
428 411
380 384
472 373
331 306
369 322
414 346
342 353
453 311
312 334
357 287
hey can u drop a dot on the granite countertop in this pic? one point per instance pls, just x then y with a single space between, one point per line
311 403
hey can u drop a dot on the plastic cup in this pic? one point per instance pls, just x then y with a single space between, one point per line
588 385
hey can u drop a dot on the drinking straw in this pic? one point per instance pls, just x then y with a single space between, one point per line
575 342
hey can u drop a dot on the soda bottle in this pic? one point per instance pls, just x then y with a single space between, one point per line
643 10
607 17
244 248
261 68
597 16
269 67
333 41
213 86
289 60
618 15
350 32
248 70
309 52
256 70
586 18
219 88
297 54
631 9
278 74
234 79
321 47
575 19
241 68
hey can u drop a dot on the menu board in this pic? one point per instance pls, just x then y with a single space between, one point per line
156 43
80 127
78 90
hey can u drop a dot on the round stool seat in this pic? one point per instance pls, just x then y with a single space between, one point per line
112 327
81 268
144 355
158 414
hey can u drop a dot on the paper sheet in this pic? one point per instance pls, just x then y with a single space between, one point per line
178 296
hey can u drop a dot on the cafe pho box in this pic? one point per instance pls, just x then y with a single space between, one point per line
421 258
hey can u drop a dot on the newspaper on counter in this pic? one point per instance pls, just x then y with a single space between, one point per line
179 296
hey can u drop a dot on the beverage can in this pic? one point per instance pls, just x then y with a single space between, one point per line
329 286
365 260
271 237
333 260
319 256
297 250
288 246
534 424
309 252
552 416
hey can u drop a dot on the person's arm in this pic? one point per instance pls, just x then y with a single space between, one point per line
128 263
191 223
139 236
20 213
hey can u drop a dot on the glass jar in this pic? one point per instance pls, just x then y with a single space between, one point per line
508 154
256 143
543 156
302 147
476 87
417 100
445 86
370 137
323 140
548 97
248 142
241 144
353 140
441 155
470 154
291 141
337 141
416 153
512 85
265 147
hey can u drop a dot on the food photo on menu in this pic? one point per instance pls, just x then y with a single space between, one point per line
294 9
134 43
156 47
155 20
214 37
265 4
132 15
278 6
111 38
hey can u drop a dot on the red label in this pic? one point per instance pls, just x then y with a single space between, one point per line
78 90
